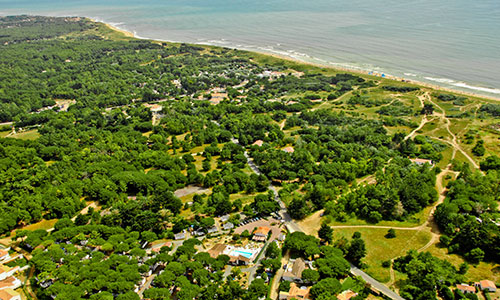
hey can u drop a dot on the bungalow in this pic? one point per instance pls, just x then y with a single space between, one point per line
289 149
486 285
9 294
224 218
10 283
258 143
4 254
421 161
180 236
466 289
294 269
295 292
260 234
199 232
212 229
239 260
228 226
6 271
346 295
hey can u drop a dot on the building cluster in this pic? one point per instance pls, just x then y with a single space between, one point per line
483 285
9 282
293 273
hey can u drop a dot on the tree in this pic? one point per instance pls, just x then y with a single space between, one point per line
428 109
492 162
326 233
310 276
328 286
356 251
391 233
475 256
478 149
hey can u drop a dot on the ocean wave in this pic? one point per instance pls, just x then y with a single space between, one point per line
441 80
410 74
477 88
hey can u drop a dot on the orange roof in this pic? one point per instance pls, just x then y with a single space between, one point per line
8 294
487 284
262 230
464 287
289 149
4 269
258 143
7 282
296 292
3 252
346 295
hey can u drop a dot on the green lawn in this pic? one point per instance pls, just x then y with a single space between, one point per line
26 135
380 249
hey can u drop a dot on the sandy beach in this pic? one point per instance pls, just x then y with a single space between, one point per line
356 71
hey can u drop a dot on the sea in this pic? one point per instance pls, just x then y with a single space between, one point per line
450 43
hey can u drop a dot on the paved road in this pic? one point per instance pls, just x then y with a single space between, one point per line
374 283
292 226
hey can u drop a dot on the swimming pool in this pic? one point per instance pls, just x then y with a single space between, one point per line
246 254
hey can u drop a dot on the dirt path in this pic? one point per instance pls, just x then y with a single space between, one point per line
85 210
424 121
190 189
453 142
277 278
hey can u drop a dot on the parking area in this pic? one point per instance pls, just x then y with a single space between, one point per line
272 223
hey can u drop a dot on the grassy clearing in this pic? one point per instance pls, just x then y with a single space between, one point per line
482 271
380 249
414 221
27 135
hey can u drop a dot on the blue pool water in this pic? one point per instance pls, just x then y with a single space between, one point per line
242 253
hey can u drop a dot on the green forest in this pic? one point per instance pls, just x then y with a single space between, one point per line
100 131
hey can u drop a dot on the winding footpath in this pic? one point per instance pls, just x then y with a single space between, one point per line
292 226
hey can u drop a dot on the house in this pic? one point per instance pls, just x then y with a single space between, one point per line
4 254
260 234
289 149
180 236
10 283
217 250
228 226
6 271
294 270
295 292
258 143
239 260
486 285
9 294
421 161
224 218
199 232
212 229
346 295
466 289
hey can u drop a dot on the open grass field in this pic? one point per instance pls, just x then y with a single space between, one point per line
379 248
481 271
26 135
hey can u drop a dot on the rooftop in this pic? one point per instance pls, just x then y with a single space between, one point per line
465 287
289 149
8 294
262 231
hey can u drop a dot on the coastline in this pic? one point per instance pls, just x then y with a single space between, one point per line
326 66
